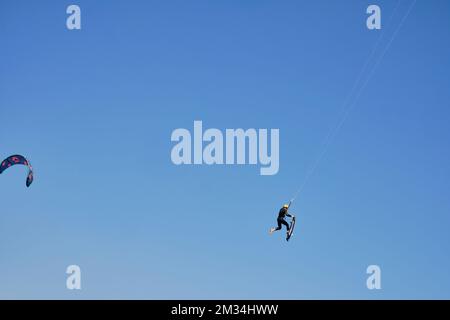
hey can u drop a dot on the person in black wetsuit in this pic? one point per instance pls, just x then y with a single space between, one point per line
280 220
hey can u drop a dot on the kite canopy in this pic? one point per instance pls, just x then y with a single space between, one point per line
18 159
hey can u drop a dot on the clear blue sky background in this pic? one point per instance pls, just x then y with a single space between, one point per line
94 110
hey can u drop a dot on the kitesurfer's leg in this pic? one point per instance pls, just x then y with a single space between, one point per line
279 222
284 223
287 227
272 230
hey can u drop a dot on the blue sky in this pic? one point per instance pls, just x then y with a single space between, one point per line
94 109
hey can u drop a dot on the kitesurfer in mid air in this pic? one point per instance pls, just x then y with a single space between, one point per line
280 220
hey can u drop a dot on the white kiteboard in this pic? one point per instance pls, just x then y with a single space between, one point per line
291 229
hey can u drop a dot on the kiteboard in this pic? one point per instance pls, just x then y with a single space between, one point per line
291 229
